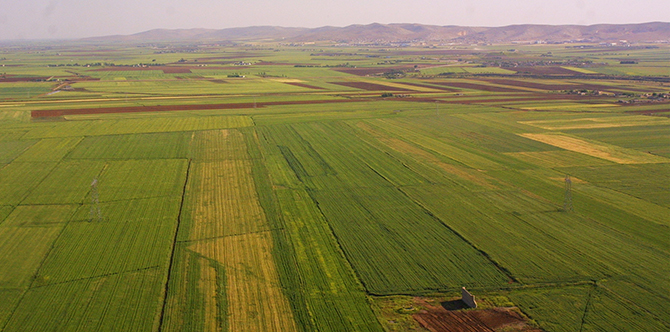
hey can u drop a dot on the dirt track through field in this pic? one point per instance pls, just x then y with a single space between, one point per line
482 87
370 86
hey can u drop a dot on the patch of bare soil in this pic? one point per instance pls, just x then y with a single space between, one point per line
451 317
482 87
302 85
369 86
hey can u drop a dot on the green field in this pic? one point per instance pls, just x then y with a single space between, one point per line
326 196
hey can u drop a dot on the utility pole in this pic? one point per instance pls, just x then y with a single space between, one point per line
567 204
96 212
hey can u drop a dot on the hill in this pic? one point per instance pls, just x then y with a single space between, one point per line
375 32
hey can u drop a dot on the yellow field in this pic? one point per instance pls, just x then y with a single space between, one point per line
255 298
408 87
225 200
599 150
208 287
229 229
218 145
579 70
23 251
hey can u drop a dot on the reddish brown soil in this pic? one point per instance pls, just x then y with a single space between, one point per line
69 79
22 79
176 70
477 87
369 86
650 112
362 71
532 85
164 108
302 85
490 320
557 87
529 97
430 86
365 71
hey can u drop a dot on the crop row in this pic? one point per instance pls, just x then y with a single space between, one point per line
224 265
128 302
393 244
132 235
322 288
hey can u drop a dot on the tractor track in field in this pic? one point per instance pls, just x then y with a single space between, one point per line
174 247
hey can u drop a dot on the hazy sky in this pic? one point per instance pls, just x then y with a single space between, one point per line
54 19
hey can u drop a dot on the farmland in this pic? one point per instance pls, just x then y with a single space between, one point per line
317 188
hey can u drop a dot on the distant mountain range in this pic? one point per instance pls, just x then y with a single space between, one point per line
375 32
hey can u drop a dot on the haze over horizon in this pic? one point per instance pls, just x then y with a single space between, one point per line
58 19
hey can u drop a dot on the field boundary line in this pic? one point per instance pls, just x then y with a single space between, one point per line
37 271
97 276
588 303
359 279
58 163
174 245
498 266
623 299
232 235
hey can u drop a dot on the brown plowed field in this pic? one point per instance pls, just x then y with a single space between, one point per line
529 97
176 70
362 71
578 86
481 87
443 88
650 112
165 108
489 320
532 85
365 71
303 85
369 86
21 79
